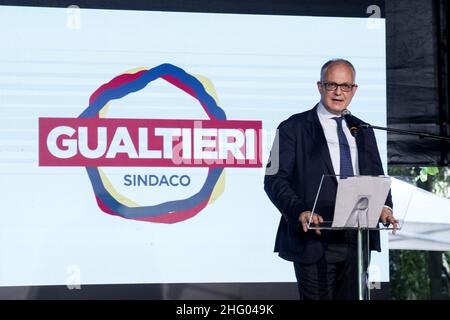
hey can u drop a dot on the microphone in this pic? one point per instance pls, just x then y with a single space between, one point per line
350 121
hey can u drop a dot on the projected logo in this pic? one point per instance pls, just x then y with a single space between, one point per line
94 141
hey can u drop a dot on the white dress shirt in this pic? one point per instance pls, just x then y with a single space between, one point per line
329 126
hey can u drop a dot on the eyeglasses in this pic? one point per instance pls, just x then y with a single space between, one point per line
331 86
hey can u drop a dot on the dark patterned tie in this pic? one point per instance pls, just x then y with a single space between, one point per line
346 168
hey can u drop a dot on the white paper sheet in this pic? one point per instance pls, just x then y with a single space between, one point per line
359 199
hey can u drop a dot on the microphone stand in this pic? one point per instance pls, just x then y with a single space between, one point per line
399 131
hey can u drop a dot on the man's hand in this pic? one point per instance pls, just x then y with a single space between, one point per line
304 218
388 218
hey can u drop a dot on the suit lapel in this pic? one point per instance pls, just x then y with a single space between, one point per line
315 130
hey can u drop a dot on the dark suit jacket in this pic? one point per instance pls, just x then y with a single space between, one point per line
303 159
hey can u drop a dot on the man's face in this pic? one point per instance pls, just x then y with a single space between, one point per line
337 100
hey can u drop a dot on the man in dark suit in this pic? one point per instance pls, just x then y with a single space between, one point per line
308 145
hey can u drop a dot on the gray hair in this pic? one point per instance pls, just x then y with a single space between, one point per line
327 64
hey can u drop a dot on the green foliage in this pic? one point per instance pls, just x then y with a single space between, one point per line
439 178
427 171
409 275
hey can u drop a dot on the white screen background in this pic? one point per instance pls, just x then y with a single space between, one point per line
263 68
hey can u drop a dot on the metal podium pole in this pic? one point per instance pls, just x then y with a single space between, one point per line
361 271
363 290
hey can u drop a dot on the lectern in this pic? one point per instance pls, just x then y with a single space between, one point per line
355 203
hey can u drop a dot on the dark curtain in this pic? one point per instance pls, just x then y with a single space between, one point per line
416 90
